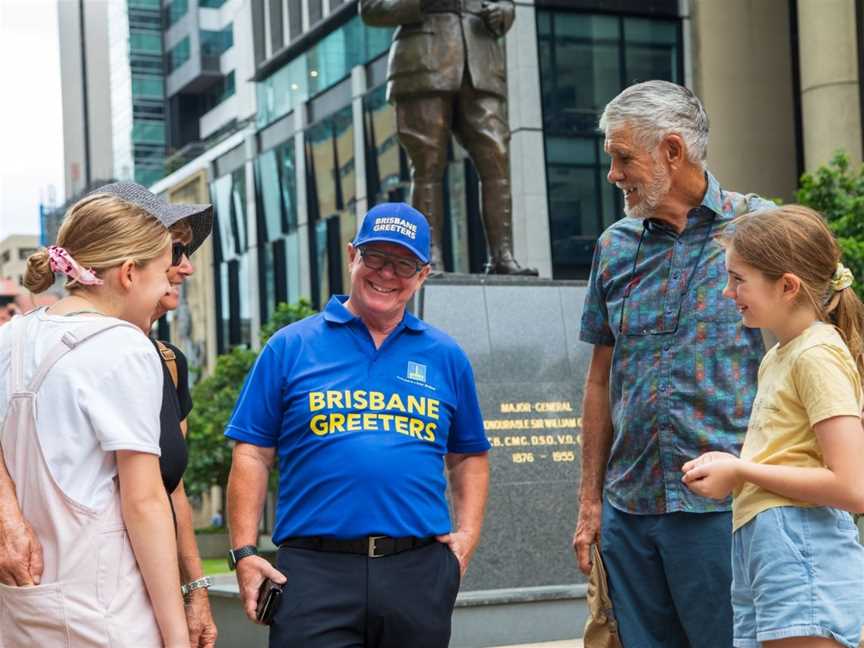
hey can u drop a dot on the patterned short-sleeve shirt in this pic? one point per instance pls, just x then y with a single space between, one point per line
684 368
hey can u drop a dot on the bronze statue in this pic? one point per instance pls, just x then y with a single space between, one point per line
446 74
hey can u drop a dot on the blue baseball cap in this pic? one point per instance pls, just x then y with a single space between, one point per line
397 223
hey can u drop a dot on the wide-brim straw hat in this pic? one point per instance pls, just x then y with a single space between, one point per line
200 216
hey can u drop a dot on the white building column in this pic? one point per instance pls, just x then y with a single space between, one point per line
300 123
685 13
305 7
531 240
830 100
250 149
358 89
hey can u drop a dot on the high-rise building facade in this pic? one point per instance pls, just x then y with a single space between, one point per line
85 81
14 251
113 91
137 90
314 144
206 86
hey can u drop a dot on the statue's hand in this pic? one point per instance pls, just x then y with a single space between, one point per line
493 16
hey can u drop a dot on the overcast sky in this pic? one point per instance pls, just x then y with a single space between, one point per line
31 117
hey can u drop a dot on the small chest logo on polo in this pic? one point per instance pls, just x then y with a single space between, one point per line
395 224
416 371
416 374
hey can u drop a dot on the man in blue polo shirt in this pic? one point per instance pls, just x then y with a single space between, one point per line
363 405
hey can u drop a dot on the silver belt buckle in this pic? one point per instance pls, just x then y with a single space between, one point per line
372 540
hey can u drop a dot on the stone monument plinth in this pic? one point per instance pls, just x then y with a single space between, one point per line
521 335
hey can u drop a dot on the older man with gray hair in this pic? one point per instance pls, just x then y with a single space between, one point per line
672 375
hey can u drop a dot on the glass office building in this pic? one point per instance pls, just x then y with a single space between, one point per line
585 60
306 181
309 195
323 148
137 90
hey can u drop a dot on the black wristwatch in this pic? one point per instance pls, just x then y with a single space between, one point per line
236 555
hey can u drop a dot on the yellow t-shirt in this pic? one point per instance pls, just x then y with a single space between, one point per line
811 378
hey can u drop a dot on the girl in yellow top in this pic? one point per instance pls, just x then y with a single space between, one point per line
797 568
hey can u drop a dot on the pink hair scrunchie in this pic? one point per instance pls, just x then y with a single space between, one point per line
59 260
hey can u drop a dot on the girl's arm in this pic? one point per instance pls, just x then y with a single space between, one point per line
150 525
840 484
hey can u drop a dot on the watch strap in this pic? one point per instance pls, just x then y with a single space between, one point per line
235 555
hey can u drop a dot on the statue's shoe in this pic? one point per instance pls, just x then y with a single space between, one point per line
510 267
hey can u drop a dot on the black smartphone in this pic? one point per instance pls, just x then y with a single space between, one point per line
269 595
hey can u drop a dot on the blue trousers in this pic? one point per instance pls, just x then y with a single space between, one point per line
669 577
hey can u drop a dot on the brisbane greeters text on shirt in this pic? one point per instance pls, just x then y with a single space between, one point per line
375 413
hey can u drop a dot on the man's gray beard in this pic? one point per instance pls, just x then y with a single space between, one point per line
651 195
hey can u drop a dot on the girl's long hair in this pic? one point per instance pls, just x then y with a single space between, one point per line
796 239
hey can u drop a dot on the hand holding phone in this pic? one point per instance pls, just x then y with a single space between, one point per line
269 595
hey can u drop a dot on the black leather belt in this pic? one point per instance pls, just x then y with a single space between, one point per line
372 546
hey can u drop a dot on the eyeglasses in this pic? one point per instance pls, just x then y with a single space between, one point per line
402 267
178 251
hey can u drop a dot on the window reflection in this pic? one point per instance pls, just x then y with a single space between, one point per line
288 182
292 267
321 285
323 65
231 245
267 273
243 303
585 60
221 192
321 165
331 196
330 163
279 265
386 169
268 188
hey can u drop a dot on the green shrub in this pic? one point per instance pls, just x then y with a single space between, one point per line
837 191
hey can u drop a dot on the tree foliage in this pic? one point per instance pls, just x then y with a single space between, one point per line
837 191
214 398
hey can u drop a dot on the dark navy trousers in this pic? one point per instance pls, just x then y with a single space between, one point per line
670 577
340 600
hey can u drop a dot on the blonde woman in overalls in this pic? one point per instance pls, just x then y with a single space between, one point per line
80 392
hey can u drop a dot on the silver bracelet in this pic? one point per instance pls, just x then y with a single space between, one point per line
201 583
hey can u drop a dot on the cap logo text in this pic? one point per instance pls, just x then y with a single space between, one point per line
395 224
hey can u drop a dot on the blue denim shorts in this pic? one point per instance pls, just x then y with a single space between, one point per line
797 572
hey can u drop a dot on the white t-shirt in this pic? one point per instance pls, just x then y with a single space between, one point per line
102 396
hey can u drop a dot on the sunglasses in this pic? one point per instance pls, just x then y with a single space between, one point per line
178 251
402 267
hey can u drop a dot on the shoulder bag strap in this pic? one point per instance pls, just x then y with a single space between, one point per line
170 359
